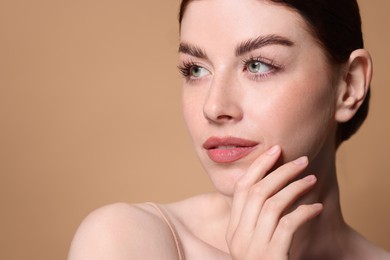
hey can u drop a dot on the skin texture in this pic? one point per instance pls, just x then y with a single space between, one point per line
263 110
281 200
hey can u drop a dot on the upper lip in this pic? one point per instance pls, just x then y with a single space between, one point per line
214 142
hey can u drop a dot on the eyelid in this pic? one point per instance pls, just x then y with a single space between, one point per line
261 59
186 66
266 61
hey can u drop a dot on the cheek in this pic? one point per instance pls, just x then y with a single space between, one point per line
299 118
314 123
192 112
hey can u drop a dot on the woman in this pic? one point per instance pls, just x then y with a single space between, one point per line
271 90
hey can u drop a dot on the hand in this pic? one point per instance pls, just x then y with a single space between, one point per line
258 228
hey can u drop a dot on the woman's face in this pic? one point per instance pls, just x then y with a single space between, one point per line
254 77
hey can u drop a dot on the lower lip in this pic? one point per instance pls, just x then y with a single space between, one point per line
229 155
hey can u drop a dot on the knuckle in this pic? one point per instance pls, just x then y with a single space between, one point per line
286 223
256 190
235 247
229 237
234 250
272 205
241 186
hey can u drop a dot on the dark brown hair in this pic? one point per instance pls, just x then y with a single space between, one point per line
337 26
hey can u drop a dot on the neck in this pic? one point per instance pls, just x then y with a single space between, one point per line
324 236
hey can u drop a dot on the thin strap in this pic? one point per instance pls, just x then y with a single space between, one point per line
171 227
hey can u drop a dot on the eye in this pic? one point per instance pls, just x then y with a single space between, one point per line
198 72
255 66
192 71
259 68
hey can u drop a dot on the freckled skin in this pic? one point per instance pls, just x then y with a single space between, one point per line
284 96
292 106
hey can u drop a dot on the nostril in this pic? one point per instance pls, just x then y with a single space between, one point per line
224 117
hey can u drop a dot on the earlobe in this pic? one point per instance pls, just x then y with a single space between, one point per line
354 85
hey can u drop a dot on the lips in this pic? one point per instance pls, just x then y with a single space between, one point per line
228 149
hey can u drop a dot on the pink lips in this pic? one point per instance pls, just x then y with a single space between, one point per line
228 149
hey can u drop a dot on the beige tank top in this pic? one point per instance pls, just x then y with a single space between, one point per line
176 238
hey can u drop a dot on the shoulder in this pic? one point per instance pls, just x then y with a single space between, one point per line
365 249
123 231
372 251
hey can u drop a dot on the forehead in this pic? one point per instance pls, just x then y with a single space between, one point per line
232 21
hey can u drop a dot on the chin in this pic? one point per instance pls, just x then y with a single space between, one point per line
225 178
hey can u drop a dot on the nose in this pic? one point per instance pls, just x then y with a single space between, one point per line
223 104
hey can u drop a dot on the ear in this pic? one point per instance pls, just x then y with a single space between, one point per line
354 85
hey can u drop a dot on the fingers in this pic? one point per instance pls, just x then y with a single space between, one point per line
289 224
265 201
255 172
259 226
259 168
274 207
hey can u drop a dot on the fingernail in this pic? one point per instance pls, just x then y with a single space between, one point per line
301 160
318 206
273 150
310 179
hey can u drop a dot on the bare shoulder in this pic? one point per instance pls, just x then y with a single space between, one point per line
365 249
375 252
123 231
372 251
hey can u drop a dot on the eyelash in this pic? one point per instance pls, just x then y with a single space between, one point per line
267 62
185 68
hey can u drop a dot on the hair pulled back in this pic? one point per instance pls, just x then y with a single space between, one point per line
336 24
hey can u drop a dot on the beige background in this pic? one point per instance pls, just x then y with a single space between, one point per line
90 115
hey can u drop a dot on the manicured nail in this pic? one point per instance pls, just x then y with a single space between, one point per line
301 160
318 206
310 179
274 150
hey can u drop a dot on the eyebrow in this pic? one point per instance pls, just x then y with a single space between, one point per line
261 41
192 50
242 48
